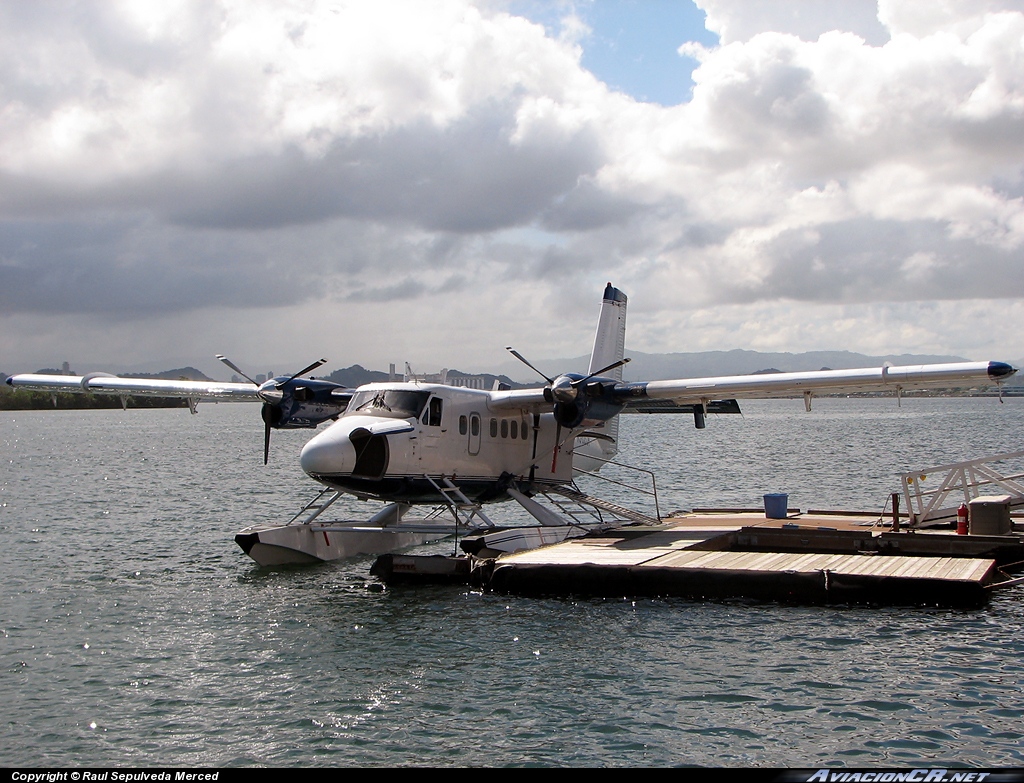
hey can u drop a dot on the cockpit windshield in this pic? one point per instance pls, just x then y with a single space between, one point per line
388 403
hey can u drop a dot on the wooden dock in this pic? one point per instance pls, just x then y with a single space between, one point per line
813 558
818 557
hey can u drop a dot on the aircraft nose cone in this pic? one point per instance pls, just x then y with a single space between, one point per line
329 453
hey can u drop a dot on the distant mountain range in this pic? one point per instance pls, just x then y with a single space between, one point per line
181 373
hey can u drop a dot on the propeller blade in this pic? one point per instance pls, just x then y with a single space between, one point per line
602 371
300 373
266 442
267 413
558 446
521 358
611 366
234 367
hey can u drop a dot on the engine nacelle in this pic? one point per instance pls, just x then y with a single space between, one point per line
585 411
300 404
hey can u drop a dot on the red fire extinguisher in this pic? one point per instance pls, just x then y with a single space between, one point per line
961 520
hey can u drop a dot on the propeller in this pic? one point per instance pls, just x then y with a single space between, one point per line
563 388
568 392
272 394
564 391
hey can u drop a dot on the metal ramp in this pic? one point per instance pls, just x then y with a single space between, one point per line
592 506
961 482
461 507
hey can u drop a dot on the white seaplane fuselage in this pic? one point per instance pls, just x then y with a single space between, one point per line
394 436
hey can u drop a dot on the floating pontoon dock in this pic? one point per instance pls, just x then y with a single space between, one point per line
818 557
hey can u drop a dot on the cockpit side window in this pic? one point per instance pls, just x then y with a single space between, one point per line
434 412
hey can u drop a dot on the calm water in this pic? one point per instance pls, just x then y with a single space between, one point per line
133 630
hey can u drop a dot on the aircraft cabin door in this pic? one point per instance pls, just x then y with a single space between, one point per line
474 434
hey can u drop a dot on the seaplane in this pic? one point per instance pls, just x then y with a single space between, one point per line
453 450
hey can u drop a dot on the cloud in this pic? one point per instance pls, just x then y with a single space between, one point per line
806 19
285 162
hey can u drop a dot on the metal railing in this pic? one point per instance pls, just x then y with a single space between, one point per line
959 482
652 492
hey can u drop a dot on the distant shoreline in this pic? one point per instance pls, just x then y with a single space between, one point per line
24 400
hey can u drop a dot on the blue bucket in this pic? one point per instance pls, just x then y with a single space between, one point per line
776 505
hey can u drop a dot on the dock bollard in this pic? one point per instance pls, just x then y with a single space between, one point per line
895 512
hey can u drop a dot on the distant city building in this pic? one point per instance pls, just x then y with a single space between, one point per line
449 378
469 381
430 377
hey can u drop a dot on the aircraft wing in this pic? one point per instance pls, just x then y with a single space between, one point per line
791 384
101 383
701 391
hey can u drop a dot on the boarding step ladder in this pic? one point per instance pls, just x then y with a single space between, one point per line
961 482
594 506
314 508
462 508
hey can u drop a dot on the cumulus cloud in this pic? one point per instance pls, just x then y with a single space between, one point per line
289 162
806 19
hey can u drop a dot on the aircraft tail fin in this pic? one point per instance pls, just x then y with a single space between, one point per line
610 340
609 347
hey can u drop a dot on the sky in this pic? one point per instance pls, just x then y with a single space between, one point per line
430 181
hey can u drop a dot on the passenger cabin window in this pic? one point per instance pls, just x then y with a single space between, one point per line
463 425
494 428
